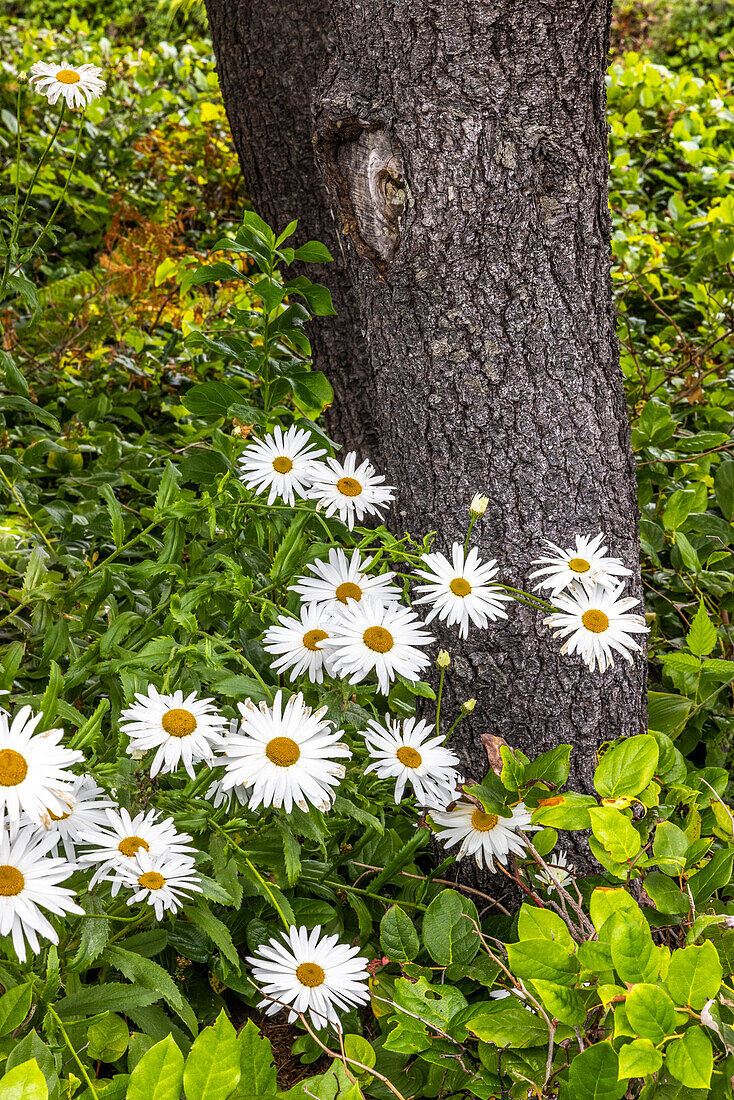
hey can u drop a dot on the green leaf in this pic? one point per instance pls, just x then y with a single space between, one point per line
702 636
724 488
216 930
534 923
112 997
159 1073
694 975
667 713
566 811
257 1078
108 1038
615 832
210 399
398 937
665 895
639 1059
670 846
25 1082
713 876
213 1067
550 767
594 1074
561 1002
507 1023
14 1007
650 1011
634 954
150 975
544 959
450 929
313 252
690 1059
116 520
627 768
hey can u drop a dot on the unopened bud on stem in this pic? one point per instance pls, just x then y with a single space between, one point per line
468 706
478 506
443 660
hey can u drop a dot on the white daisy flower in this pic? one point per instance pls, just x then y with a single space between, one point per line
298 644
122 837
587 564
461 590
284 755
485 836
349 490
374 637
285 463
312 974
230 797
85 806
599 623
341 579
406 752
34 769
165 881
29 882
558 872
79 85
181 729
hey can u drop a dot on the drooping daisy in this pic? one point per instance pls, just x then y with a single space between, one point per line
558 872
587 564
285 463
78 84
298 644
165 881
34 769
341 579
183 730
312 974
123 836
85 806
461 590
599 624
374 637
284 755
406 752
349 490
485 836
29 882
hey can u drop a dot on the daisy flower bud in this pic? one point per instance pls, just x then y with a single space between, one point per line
443 660
468 706
478 505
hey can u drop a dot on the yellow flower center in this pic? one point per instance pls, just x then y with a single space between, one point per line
595 621
310 974
282 465
179 723
348 591
13 768
482 822
67 76
312 638
282 751
460 587
152 880
579 565
131 845
11 881
378 639
349 486
408 756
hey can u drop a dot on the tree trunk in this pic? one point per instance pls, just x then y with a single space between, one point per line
465 146
269 58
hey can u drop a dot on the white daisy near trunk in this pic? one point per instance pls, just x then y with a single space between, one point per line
298 644
85 809
181 730
283 463
341 578
165 881
284 755
122 837
350 491
35 768
558 872
487 837
597 624
29 882
587 564
310 974
461 590
382 638
78 85
406 752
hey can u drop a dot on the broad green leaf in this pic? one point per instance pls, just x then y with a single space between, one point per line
151 975
313 252
14 1007
213 1067
507 1023
638 1059
594 1074
724 488
561 1002
615 832
534 923
398 937
669 847
713 876
450 929
544 959
633 952
650 1012
159 1073
257 1068
111 997
108 1037
25 1082
690 1059
606 901
702 636
694 975
667 713
564 811
627 768
666 897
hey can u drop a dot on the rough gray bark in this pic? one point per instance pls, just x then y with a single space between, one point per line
465 146
269 57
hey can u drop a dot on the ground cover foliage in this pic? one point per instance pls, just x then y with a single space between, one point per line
131 554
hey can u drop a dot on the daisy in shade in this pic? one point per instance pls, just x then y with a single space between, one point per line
406 752
34 769
284 463
85 806
298 644
487 837
284 755
341 579
558 872
587 564
597 623
79 85
312 974
165 881
350 491
382 638
182 730
461 590
29 882
119 840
